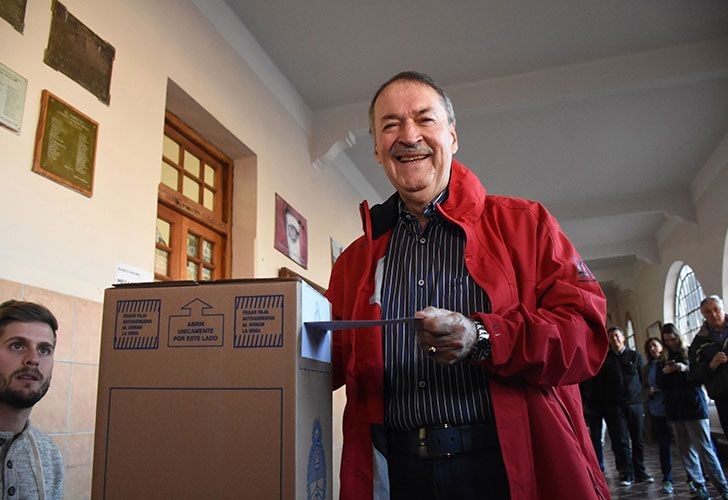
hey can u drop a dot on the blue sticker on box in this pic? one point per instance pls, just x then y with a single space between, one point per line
137 324
258 321
316 473
196 326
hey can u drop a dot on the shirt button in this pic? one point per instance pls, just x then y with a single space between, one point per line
10 464
423 240
421 282
422 384
11 491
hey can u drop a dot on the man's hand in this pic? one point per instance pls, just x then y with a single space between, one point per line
446 336
718 360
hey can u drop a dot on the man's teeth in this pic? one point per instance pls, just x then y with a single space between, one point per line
405 159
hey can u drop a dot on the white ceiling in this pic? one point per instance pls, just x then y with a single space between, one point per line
608 112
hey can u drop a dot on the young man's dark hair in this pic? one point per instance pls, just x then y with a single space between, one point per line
26 312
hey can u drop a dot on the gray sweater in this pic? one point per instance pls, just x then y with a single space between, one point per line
29 459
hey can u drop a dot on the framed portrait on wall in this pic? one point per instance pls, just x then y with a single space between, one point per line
291 233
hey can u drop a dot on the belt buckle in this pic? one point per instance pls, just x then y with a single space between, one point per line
422 450
422 442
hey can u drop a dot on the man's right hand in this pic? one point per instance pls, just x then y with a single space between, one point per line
718 360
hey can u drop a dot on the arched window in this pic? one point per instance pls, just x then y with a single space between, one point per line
629 333
688 294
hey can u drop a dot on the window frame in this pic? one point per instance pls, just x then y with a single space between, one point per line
219 219
687 305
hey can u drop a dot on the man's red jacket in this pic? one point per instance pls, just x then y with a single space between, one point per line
547 334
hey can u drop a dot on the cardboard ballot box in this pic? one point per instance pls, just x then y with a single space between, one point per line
213 391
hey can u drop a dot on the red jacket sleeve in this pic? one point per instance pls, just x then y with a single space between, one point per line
556 333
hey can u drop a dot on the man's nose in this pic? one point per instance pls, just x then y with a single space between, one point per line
409 133
32 357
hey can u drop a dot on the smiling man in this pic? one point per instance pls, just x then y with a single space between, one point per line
32 466
708 355
478 401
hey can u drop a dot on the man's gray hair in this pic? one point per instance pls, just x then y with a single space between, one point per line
416 77
714 298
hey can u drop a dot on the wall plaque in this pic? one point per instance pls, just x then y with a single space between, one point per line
12 98
65 145
76 51
13 11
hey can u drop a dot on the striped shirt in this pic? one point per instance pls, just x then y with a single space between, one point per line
427 269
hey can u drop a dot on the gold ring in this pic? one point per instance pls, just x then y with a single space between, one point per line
432 350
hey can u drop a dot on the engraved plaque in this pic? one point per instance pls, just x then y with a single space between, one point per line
76 51
65 145
13 11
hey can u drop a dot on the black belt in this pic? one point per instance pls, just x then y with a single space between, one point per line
442 441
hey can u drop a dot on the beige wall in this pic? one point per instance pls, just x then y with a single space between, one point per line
69 243
65 247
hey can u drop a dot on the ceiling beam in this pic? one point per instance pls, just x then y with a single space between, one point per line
671 202
644 249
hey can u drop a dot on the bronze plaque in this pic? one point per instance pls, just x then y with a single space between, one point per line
65 145
13 11
76 51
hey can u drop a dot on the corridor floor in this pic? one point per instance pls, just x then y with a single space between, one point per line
650 490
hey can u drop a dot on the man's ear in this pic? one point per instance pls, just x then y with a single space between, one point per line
454 135
376 152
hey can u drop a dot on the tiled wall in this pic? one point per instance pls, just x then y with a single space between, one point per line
68 411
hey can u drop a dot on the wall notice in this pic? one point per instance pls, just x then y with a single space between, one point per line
13 88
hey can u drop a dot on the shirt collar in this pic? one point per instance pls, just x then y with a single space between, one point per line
430 211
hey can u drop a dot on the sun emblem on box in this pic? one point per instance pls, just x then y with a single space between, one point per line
316 476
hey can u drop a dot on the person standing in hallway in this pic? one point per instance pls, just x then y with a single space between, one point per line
708 355
631 404
32 466
656 411
687 412
478 397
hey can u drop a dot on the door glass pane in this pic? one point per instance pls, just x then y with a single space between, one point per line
163 229
207 252
171 149
193 243
208 199
161 262
191 271
169 176
210 176
206 273
192 164
191 189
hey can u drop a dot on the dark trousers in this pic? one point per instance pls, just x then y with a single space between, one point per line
479 474
663 437
618 435
634 415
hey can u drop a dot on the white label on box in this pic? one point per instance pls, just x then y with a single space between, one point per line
315 344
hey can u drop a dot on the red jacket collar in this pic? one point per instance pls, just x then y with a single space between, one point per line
464 203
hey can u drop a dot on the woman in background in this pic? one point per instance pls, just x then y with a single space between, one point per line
655 352
687 413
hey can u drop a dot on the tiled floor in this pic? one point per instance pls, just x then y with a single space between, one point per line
650 490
